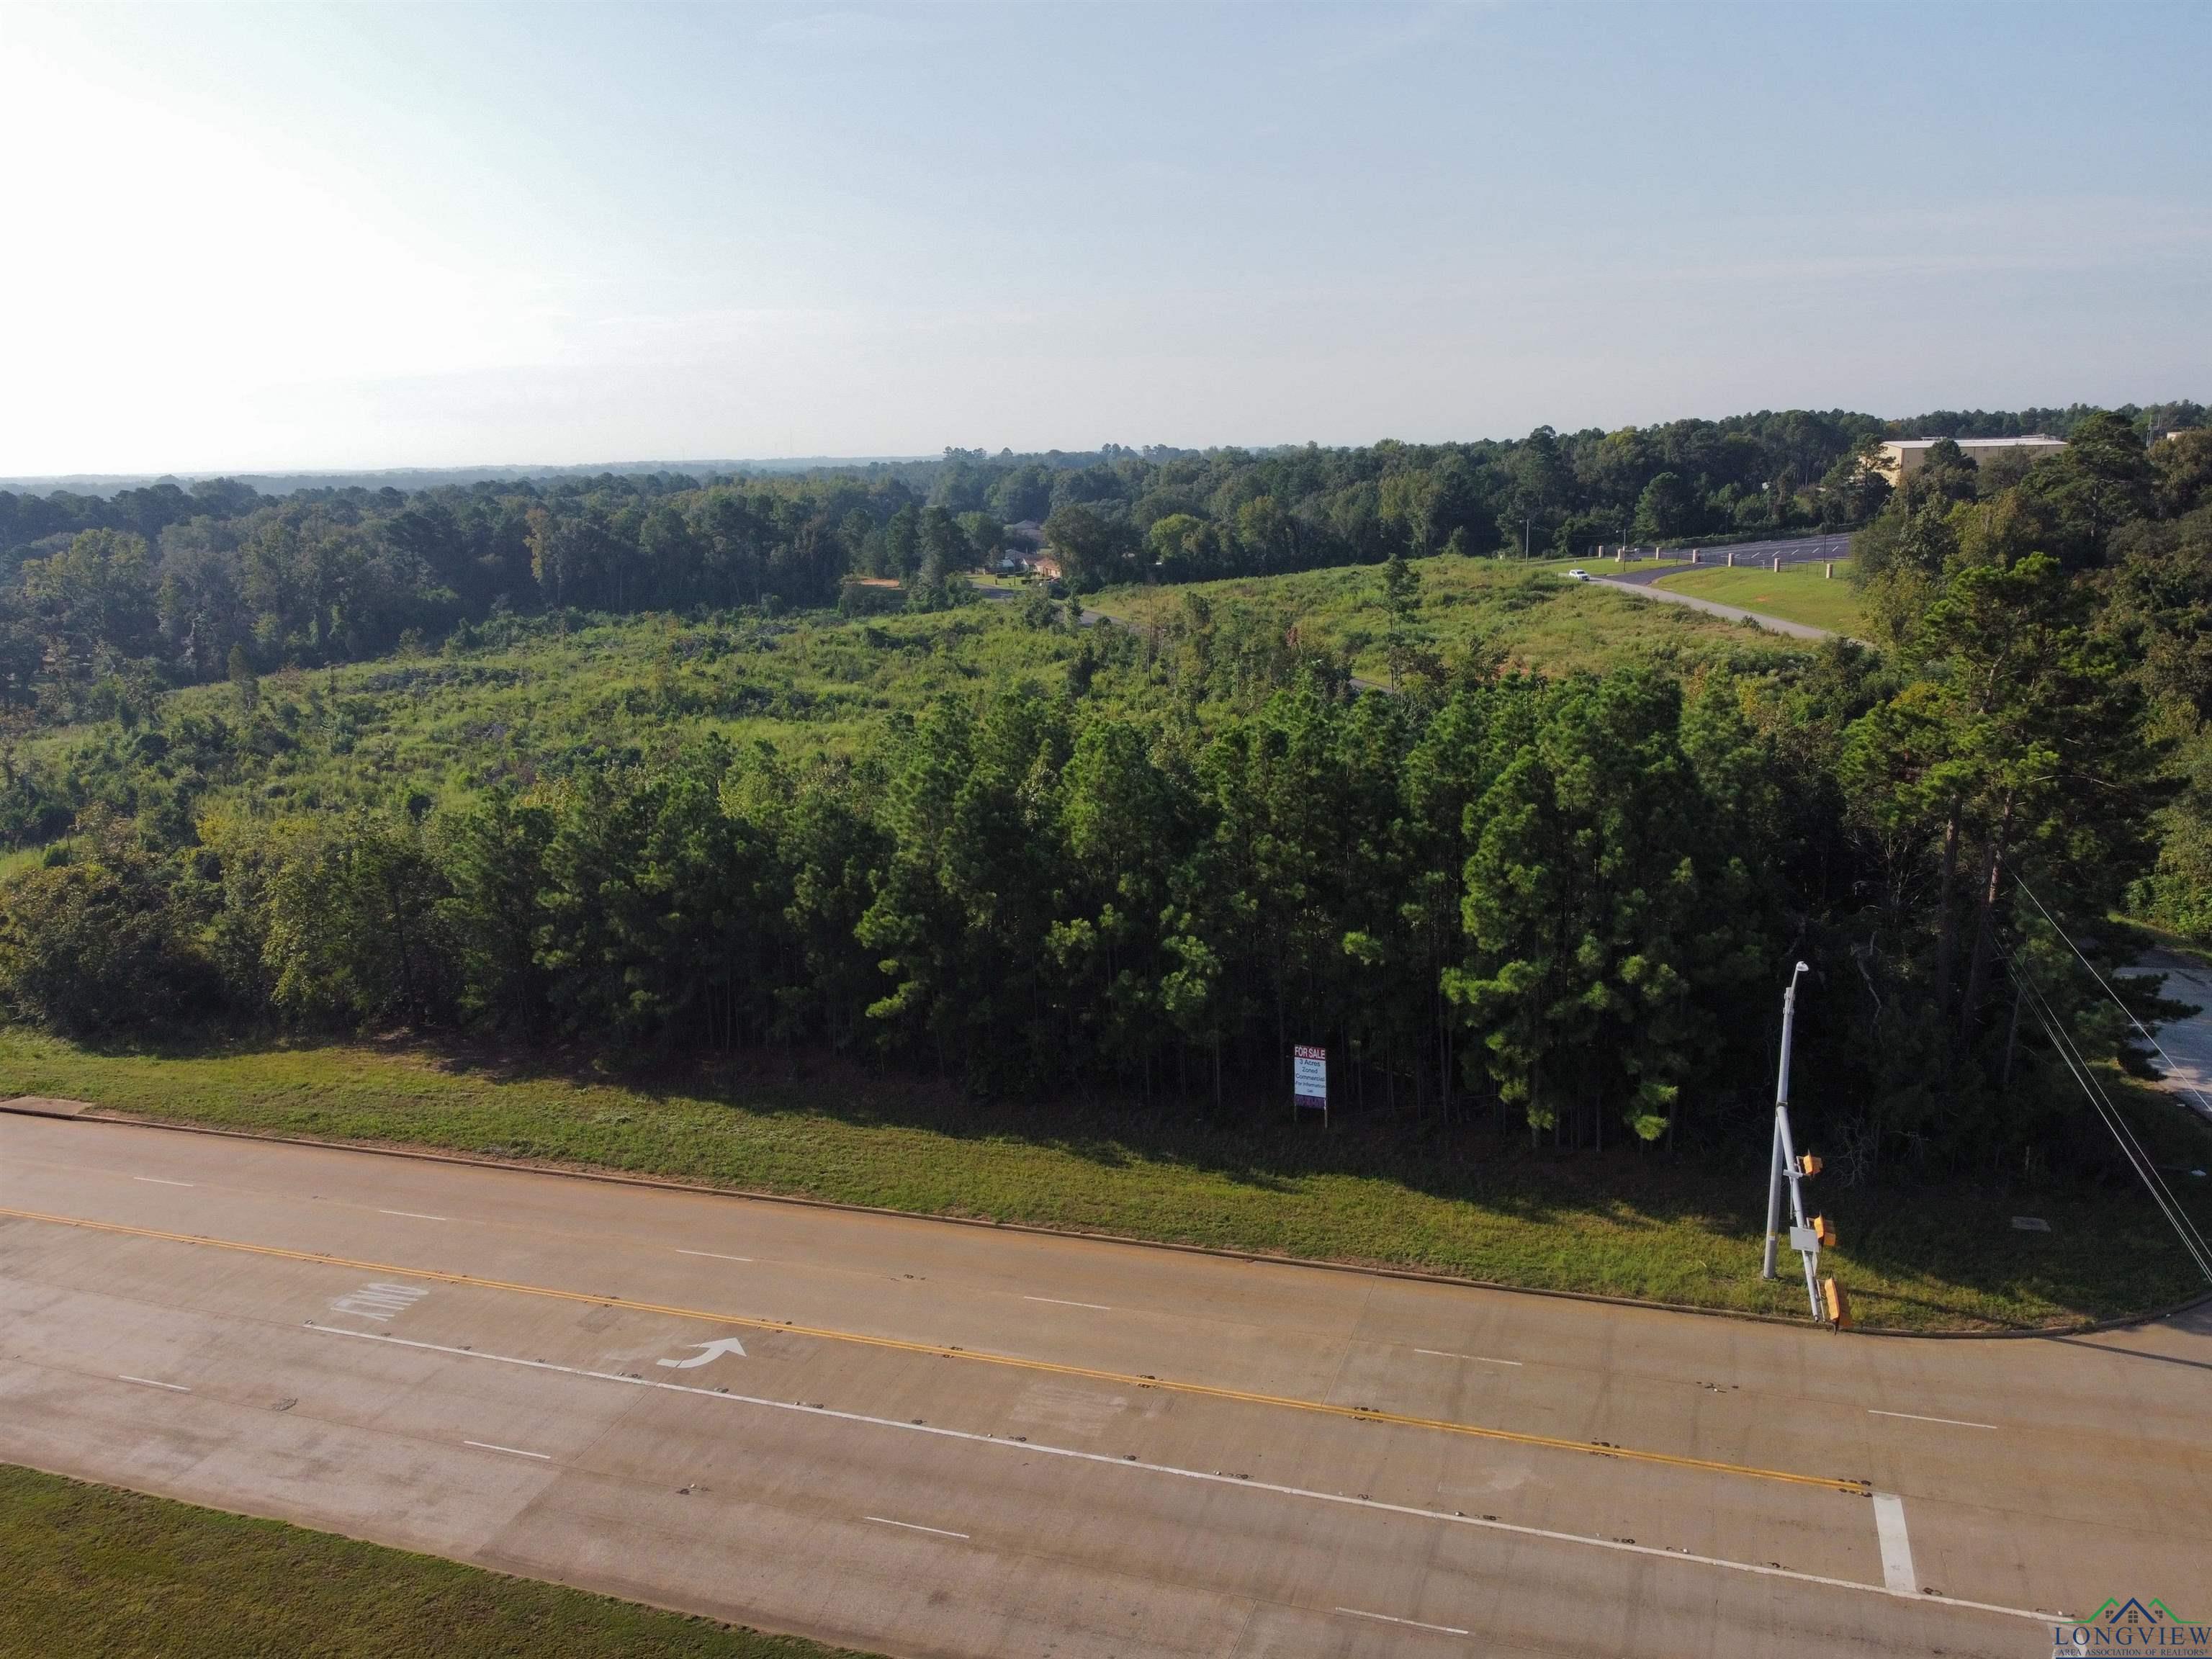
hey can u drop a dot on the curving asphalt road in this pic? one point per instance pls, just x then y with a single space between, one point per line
1643 589
923 1438
1639 579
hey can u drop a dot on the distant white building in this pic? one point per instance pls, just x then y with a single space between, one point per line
1906 456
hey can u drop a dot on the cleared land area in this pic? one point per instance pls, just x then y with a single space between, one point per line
91 1569
1631 1223
536 700
1796 593
1517 610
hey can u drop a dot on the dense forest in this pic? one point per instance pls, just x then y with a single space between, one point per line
1561 904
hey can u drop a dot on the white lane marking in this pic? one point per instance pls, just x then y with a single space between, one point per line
512 1451
380 1301
709 1352
1896 1547
1443 1630
174 1388
886 1520
1915 1417
1479 1359
1096 1307
156 1180
2035 1614
712 1255
412 1215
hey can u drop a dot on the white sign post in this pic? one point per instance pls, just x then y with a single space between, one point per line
1309 1081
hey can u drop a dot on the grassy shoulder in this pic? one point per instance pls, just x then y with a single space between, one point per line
1466 1202
89 1569
1518 609
1798 594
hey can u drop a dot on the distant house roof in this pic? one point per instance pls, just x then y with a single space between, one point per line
1029 532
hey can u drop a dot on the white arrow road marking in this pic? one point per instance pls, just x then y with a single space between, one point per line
714 1351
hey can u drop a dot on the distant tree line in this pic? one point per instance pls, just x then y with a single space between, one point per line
105 599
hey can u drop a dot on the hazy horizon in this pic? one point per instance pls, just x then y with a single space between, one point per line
466 472
300 240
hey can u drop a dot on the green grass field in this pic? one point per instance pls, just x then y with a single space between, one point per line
89 1570
1631 1223
1796 593
1522 609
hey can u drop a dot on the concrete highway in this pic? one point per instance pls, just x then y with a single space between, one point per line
916 1437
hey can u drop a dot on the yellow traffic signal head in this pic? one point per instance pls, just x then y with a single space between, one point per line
1808 1164
1838 1304
1824 1232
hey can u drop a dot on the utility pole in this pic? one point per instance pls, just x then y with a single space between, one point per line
1806 1238
1777 1169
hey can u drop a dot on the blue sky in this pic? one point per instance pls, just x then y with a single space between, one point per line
299 236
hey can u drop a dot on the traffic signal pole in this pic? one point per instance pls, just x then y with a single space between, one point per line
1785 1164
1773 1196
1780 1164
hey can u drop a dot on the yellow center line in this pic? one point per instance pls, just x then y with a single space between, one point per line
898 1344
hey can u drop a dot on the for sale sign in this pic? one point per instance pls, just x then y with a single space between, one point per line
1310 1076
